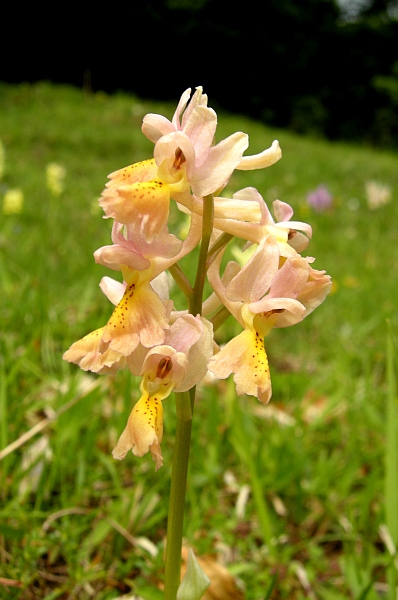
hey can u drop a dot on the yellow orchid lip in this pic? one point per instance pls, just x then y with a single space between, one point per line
245 357
140 316
141 192
144 431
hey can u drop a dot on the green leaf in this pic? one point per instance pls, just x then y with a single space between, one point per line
195 581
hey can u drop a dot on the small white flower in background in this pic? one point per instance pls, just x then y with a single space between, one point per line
2 160
377 194
13 202
33 462
55 178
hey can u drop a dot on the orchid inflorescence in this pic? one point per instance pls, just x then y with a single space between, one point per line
274 286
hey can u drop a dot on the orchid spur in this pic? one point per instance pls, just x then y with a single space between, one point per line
249 218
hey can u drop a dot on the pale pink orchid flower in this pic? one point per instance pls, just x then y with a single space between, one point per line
141 314
186 166
178 364
250 219
191 131
265 293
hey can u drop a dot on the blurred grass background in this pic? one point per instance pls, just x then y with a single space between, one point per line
315 471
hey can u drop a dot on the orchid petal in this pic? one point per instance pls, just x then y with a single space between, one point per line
181 107
297 241
295 225
141 171
200 129
115 255
290 278
315 290
113 290
177 366
218 284
154 126
198 99
165 152
161 286
259 161
282 210
222 159
199 355
86 353
139 317
255 278
276 312
161 263
240 210
129 203
184 332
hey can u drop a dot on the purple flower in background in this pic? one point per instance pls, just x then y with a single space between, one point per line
320 199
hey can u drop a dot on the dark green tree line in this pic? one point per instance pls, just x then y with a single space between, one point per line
310 65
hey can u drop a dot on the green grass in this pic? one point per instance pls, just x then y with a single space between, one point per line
74 523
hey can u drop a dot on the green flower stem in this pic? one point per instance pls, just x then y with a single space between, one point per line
220 243
220 317
184 408
181 280
177 495
207 228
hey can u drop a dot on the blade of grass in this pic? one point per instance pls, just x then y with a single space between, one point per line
242 442
391 460
271 587
4 418
44 422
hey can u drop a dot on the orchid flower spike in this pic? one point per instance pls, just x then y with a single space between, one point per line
273 286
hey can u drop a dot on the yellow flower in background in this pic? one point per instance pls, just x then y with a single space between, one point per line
55 178
13 202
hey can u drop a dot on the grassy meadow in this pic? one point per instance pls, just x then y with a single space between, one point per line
298 499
